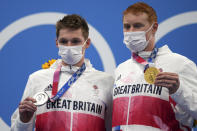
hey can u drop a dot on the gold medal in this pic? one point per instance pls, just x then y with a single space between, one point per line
150 74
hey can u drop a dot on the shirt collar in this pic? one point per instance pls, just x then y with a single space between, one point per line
163 50
69 68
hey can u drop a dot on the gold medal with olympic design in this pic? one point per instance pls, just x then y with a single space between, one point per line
150 74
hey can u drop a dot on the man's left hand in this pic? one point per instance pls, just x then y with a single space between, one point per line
168 80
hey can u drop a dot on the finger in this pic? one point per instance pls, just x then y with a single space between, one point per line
166 81
23 106
22 110
30 99
27 103
167 73
167 76
27 108
172 89
169 86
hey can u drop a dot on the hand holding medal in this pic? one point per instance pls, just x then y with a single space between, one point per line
152 75
168 80
28 106
27 109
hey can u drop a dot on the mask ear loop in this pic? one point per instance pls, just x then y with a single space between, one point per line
150 28
85 42
148 31
83 46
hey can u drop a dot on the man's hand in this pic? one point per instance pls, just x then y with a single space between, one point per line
27 109
168 80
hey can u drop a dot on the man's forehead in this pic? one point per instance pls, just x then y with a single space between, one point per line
139 17
66 31
70 33
63 30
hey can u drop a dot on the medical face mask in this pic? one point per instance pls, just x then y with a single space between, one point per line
136 41
71 54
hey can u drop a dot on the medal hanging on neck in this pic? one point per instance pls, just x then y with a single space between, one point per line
42 97
150 72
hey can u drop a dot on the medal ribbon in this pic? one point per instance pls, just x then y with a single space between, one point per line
56 80
140 60
56 95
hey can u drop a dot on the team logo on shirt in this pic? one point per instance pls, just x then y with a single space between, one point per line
118 78
75 105
48 88
138 88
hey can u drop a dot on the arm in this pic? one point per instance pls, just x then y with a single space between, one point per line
108 117
18 121
182 87
186 95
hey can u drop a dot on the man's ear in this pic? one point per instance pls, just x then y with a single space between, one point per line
155 27
88 42
56 42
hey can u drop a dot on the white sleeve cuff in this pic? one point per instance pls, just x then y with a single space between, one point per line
24 126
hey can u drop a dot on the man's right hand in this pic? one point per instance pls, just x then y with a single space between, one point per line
27 109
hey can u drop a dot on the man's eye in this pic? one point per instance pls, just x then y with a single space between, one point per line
63 41
127 26
137 25
75 41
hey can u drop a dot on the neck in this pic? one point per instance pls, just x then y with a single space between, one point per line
79 64
150 45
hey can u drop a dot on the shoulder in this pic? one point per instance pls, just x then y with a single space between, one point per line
126 64
103 79
165 54
100 75
181 58
46 72
176 59
174 62
95 74
41 73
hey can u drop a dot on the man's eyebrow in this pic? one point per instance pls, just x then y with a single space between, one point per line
138 23
76 38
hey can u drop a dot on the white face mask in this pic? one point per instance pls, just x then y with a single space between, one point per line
136 41
71 54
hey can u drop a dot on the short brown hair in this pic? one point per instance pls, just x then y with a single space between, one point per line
73 22
141 7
